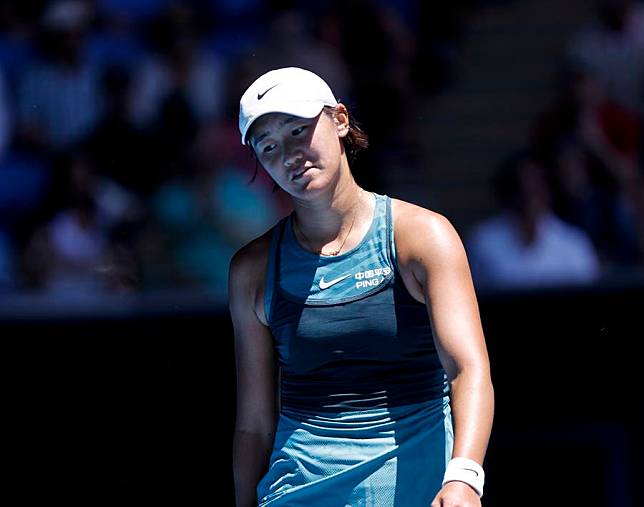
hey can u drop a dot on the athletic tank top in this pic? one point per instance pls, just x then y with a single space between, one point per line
348 334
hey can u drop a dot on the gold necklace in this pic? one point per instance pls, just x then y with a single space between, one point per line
335 252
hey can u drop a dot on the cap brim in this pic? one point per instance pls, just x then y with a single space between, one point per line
299 109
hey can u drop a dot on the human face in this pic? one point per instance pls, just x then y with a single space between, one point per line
302 155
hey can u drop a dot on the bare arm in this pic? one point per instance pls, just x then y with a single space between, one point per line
256 374
437 267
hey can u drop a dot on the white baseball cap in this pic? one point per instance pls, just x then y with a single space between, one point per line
289 90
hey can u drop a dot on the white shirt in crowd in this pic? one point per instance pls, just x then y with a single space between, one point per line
560 254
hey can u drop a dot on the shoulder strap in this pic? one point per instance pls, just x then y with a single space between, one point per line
391 244
273 267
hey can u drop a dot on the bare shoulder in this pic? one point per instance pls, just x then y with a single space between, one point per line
247 274
419 230
249 262
430 253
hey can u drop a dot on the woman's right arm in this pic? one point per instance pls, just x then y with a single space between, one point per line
256 374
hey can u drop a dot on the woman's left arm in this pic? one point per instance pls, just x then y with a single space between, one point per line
434 254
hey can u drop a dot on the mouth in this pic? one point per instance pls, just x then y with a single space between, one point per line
299 173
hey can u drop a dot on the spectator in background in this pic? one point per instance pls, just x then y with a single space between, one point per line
58 98
585 194
68 255
584 110
612 48
245 204
171 140
176 90
205 215
593 146
24 175
379 52
120 150
179 68
526 245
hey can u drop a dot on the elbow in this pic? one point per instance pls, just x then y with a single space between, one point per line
475 376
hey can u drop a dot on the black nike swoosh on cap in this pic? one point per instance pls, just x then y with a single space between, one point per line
261 95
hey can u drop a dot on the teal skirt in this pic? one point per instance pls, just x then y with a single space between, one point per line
380 457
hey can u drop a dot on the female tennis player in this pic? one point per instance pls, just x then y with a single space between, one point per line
363 376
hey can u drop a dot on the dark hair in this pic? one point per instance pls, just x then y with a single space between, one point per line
356 139
354 142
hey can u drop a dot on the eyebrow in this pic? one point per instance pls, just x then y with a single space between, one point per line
288 120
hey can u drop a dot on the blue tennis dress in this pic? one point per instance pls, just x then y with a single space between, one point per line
364 409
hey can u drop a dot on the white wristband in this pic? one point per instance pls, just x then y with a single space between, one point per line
467 471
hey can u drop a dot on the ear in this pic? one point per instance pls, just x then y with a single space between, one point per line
341 120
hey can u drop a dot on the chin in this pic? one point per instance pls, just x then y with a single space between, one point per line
314 186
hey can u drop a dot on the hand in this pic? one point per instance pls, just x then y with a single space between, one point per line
456 494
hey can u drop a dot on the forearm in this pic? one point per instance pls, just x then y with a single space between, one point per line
251 454
472 398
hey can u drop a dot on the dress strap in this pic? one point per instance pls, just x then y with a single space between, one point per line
273 267
391 244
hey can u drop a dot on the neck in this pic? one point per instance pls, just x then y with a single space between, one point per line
330 215
528 225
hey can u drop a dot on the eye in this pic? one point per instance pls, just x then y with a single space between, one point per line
268 148
298 130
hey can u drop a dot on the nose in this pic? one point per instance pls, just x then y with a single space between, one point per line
292 157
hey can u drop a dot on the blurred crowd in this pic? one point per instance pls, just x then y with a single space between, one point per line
571 202
121 168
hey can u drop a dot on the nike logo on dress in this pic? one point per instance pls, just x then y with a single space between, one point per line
326 285
261 95
477 474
